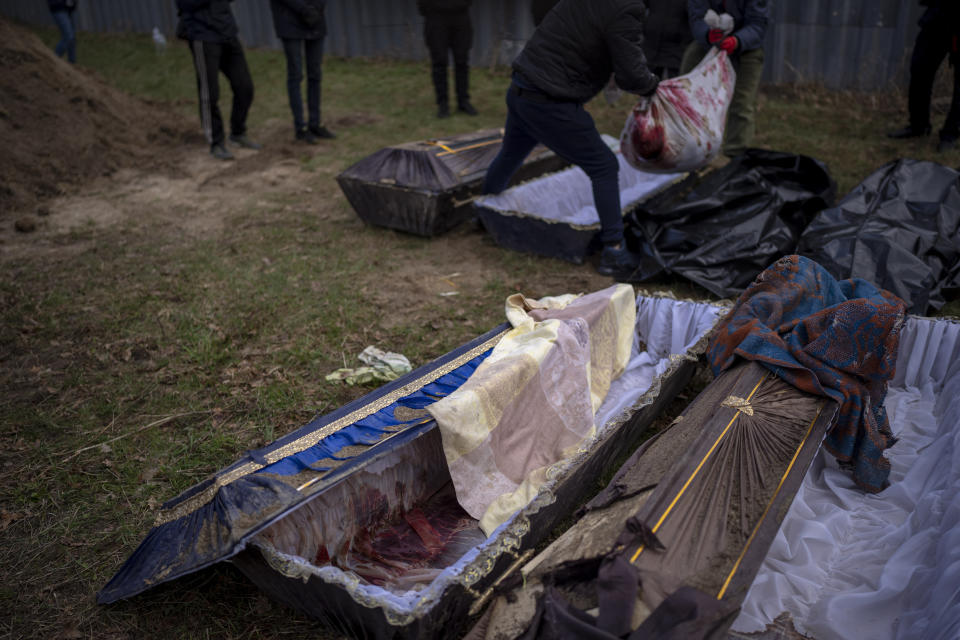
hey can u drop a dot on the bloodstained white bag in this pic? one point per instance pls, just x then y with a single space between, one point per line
681 127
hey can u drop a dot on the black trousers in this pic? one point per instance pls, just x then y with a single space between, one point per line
569 131
294 51
935 42
209 59
445 35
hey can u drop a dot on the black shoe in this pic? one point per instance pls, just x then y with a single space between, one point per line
617 262
467 108
220 152
946 144
245 142
443 111
305 135
909 132
322 132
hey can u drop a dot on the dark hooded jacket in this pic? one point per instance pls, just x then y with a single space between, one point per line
750 19
290 24
540 8
206 20
579 44
443 7
666 33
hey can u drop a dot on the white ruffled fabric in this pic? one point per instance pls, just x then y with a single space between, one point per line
567 197
847 564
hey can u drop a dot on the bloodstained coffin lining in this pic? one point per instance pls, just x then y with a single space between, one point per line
211 522
427 187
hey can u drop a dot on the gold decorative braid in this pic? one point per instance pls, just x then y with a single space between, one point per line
197 501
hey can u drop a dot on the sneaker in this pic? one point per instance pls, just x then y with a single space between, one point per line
220 152
617 262
305 135
909 132
467 108
443 111
322 132
946 144
245 142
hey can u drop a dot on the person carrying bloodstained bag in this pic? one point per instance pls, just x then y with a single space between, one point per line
210 29
738 27
567 61
301 25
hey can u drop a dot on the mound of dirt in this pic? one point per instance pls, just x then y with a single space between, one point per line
63 126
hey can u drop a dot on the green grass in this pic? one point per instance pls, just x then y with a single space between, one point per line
137 360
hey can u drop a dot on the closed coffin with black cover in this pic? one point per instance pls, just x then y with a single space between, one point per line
426 187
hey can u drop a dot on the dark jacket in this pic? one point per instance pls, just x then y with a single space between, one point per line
206 20
942 15
666 33
443 7
539 9
290 22
61 5
579 44
750 19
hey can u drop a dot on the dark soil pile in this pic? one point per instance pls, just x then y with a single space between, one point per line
62 126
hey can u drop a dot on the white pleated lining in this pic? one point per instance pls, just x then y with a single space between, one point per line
567 196
847 564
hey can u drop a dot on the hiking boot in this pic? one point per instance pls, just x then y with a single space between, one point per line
245 142
467 108
322 132
220 152
909 131
946 144
305 135
443 111
617 262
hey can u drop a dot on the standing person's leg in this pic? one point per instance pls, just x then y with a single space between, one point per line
293 52
314 51
517 145
461 36
742 115
206 62
67 35
435 35
928 53
951 126
72 42
569 130
233 64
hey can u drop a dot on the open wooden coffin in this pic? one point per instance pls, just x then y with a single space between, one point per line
554 215
351 518
693 511
846 564
426 187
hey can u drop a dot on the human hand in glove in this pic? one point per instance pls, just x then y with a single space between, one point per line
729 44
715 35
311 16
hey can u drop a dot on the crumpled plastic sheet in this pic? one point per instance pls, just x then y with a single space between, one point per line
899 229
733 224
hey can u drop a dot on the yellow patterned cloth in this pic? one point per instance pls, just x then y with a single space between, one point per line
531 403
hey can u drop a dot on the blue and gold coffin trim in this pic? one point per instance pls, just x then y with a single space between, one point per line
212 520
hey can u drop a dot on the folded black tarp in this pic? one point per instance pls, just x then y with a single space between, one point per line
899 229
736 222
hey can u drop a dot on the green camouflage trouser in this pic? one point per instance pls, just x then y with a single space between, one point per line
742 116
